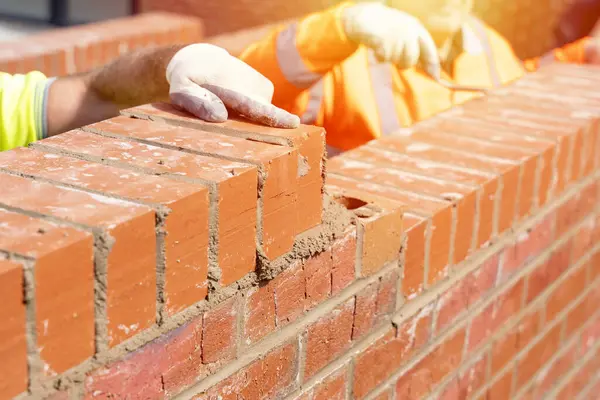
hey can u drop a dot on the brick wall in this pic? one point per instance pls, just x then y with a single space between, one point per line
80 48
153 255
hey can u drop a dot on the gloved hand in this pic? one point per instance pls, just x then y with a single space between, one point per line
394 36
205 80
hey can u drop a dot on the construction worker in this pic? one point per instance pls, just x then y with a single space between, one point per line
202 79
363 70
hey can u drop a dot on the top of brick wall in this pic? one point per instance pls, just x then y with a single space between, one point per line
161 210
80 48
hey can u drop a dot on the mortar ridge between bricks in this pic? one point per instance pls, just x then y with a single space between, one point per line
213 216
565 378
161 211
224 130
350 155
286 333
557 355
385 150
262 174
463 324
471 264
418 195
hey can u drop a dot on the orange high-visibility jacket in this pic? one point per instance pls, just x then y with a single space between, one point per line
329 81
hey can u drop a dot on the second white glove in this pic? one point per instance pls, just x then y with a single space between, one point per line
394 36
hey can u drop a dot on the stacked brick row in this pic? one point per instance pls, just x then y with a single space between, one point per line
114 229
153 255
77 49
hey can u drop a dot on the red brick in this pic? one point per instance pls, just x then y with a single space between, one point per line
365 311
585 239
333 387
581 313
163 366
466 292
473 377
508 171
386 295
449 133
379 362
183 348
565 134
186 240
132 228
462 197
590 336
138 374
549 271
329 337
13 350
278 168
233 184
343 254
379 232
259 313
290 294
577 208
527 246
317 272
538 355
64 309
551 373
413 273
272 376
440 212
472 125
386 355
581 379
486 182
309 140
219 337
566 292
506 347
501 389
420 380
506 305
374 303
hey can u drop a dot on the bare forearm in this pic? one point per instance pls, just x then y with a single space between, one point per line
134 79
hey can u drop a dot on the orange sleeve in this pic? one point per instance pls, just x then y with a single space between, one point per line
573 53
296 56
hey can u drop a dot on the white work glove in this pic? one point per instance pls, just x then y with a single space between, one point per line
394 36
205 80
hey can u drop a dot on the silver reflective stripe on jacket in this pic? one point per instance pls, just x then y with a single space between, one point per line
315 99
290 62
484 39
383 90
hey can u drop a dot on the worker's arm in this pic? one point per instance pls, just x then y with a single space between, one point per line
202 79
582 51
298 55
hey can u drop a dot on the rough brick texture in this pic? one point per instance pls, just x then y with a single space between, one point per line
153 255
81 48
